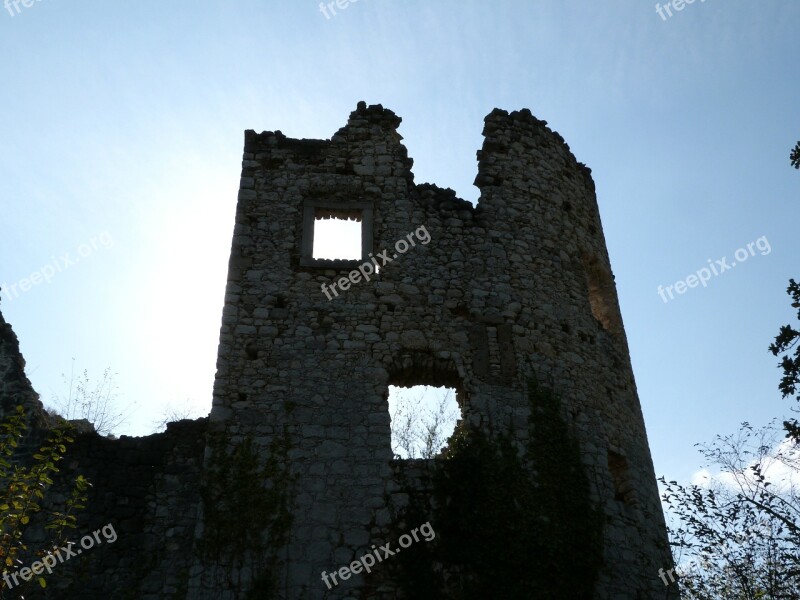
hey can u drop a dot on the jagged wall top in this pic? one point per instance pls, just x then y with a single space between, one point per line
15 388
517 124
506 134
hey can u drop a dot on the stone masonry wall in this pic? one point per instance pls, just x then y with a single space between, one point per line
15 388
517 286
146 488
486 299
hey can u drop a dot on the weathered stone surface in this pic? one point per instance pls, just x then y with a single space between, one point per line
518 286
505 290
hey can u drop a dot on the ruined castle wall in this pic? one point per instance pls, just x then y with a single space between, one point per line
489 297
518 286
147 488
15 388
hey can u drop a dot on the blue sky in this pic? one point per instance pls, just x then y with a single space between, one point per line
124 122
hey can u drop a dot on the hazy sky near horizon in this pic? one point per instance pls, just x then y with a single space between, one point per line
121 143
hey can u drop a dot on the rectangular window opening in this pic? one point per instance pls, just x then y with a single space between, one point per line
337 234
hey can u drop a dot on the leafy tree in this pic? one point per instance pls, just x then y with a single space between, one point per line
23 491
786 340
795 156
741 526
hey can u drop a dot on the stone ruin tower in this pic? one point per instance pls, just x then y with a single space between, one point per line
515 288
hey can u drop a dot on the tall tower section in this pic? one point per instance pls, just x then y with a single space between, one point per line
483 298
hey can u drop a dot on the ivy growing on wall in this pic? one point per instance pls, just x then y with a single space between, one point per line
509 524
246 500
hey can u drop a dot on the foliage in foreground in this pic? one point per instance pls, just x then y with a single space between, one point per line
740 530
786 340
22 492
740 527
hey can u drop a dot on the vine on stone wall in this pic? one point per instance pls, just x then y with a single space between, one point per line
508 524
246 500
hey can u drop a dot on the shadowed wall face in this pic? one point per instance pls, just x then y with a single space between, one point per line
478 298
144 489
293 476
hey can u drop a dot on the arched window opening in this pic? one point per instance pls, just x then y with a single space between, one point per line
423 418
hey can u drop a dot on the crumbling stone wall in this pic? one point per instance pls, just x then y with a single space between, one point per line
514 289
146 488
15 387
517 287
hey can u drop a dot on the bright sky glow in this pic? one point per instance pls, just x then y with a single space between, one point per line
337 238
125 120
